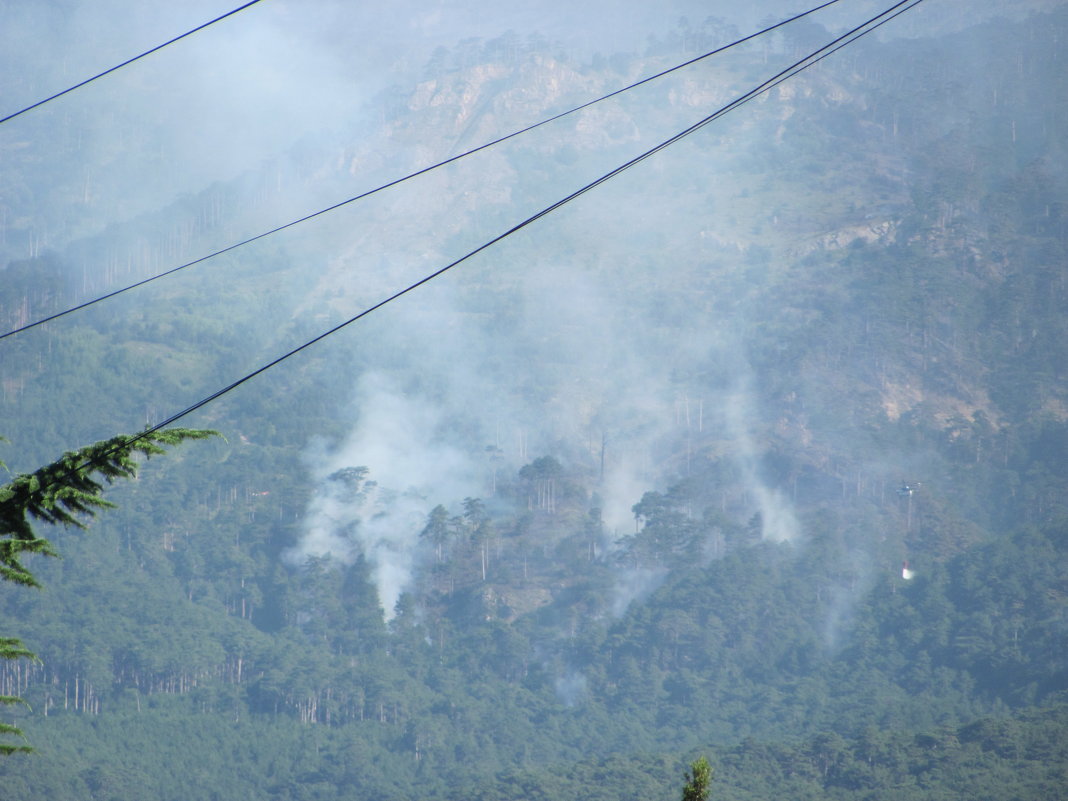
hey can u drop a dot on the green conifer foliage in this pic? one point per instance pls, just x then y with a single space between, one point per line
65 492
699 782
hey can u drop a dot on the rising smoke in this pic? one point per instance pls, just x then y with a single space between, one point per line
777 518
422 429
375 489
556 342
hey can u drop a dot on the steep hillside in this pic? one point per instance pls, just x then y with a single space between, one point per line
639 480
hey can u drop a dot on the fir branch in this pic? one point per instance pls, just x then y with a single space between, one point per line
12 648
69 490
65 492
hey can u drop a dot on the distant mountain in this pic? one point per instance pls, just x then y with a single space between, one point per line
756 450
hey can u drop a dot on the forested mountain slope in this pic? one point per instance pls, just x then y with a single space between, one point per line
635 484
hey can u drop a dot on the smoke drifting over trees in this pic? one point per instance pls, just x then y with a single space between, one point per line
638 479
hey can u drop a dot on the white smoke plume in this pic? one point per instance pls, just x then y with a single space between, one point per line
570 689
622 487
778 521
375 490
634 585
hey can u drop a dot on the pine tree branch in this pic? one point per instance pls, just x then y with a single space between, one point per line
65 492
69 490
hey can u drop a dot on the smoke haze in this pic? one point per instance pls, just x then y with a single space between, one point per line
580 353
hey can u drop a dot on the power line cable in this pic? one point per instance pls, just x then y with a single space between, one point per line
799 66
415 174
127 62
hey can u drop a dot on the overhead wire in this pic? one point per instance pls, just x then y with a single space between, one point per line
409 176
797 67
127 62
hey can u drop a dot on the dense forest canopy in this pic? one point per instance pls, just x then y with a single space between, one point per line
757 452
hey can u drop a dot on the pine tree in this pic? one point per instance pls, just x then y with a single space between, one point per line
11 648
65 492
699 782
